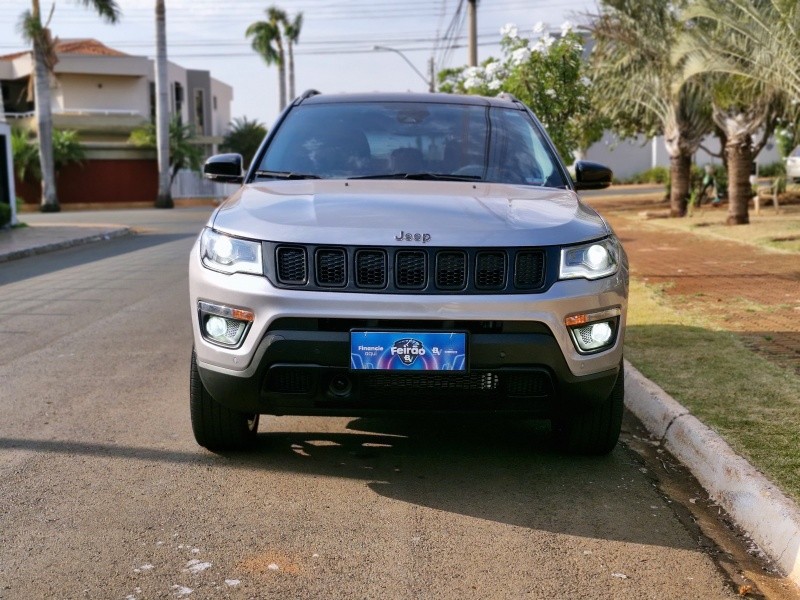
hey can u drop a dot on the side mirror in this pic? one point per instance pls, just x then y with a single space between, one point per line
225 168
591 176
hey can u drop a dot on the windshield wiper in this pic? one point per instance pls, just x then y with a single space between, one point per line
286 175
422 176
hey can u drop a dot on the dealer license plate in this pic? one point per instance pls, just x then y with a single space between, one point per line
408 351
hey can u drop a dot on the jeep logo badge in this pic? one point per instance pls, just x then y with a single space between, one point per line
408 350
407 236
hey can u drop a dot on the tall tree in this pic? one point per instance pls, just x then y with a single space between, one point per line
268 43
763 40
291 30
164 198
37 33
741 112
640 89
732 60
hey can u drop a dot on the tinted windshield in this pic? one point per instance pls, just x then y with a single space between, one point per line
346 140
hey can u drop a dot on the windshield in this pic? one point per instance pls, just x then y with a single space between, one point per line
411 139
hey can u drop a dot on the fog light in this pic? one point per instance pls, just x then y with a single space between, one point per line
593 332
224 325
216 327
601 332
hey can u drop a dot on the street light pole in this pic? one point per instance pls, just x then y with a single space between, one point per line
428 82
472 13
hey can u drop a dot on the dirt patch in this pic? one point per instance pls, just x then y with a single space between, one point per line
744 289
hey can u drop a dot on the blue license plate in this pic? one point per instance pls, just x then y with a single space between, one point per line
408 351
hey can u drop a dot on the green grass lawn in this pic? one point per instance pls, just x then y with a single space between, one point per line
767 230
753 403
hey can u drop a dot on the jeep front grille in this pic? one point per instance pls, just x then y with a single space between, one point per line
371 268
291 265
406 271
330 267
451 270
528 271
490 270
410 272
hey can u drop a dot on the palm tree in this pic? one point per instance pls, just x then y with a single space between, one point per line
763 40
268 43
640 90
37 33
291 31
183 152
736 62
244 137
164 198
742 111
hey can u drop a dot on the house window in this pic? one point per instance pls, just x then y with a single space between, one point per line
215 103
153 101
178 98
199 111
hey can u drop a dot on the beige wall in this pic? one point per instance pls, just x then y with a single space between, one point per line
21 66
102 92
221 115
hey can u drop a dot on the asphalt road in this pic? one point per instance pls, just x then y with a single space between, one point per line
104 493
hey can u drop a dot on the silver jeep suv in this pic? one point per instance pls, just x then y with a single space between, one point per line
390 253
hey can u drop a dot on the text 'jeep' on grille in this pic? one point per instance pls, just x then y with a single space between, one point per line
397 253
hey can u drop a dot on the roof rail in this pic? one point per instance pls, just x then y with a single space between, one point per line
509 97
306 94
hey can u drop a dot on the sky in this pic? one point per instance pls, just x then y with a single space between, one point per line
336 48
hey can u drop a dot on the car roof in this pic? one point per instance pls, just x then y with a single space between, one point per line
506 101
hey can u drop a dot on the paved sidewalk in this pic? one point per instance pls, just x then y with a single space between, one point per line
40 237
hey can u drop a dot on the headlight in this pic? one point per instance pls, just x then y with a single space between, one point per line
590 261
229 254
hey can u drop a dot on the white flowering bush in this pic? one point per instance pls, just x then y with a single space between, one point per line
546 72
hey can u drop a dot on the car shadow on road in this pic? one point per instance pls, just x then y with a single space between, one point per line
494 469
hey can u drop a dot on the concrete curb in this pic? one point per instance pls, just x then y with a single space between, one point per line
42 249
770 518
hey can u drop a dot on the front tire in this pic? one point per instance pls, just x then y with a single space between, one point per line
595 430
215 426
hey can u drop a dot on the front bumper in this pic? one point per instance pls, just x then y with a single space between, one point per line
541 358
307 373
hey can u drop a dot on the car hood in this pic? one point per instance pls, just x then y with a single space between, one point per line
382 212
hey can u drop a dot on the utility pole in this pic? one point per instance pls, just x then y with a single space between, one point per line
472 16
432 75
164 199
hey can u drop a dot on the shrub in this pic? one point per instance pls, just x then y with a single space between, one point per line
5 214
774 169
652 175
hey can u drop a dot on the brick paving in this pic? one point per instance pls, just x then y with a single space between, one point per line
752 292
